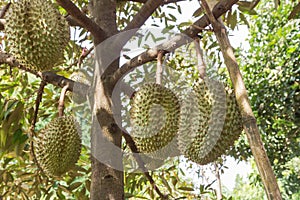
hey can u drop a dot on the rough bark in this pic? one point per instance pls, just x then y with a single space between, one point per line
249 121
107 181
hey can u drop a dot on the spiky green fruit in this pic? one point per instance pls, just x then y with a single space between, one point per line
210 122
57 147
36 34
155 117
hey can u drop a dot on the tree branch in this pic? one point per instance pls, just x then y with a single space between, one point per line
4 9
34 120
49 77
130 142
294 12
164 1
249 121
175 42
83 20
145 12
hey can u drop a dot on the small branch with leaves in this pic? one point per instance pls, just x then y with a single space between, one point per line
130 142
48 77
145 12
83 20
83 55
174 43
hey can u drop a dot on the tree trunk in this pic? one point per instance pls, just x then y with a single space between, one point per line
107 174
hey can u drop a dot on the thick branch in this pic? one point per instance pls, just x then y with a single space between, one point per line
83 20
144 13
249 121
175 42
48 77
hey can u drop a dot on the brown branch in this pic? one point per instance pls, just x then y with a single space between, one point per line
249 121
2 23
83 55
49 77
83 20
175 42
164 1
37 105
4 9
294 12
34 120
130 142
254 4
144 13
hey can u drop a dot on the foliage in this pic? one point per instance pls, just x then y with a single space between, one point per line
273 88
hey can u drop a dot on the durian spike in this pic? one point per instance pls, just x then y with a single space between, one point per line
61 101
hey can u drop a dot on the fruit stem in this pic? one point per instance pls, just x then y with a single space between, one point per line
61 101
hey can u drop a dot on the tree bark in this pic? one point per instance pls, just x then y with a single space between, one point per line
249 121
107 174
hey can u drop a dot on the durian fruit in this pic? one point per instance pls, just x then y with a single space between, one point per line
79 77
154 117
57 147
36 34
210 122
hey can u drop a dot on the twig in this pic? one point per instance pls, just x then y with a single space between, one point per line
4 9
37 105
249 121
34 120
159 67
144 13
130 142
61 102
83 20
83 55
